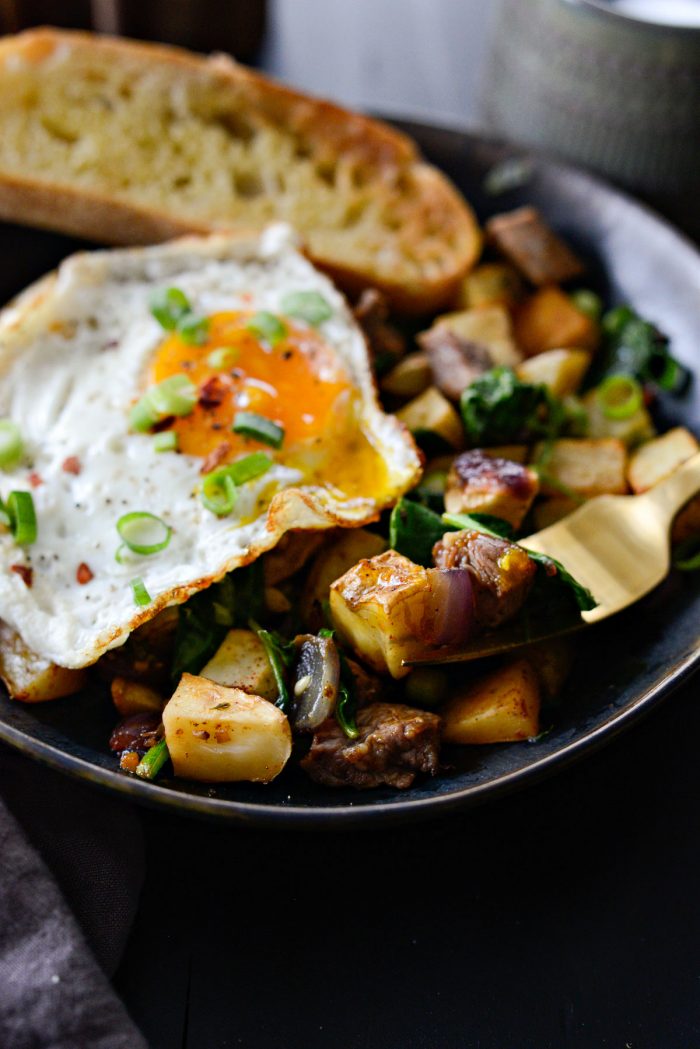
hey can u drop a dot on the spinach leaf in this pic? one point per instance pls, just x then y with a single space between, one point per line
554 574
636 347
281 654
414 530
487 523
499 409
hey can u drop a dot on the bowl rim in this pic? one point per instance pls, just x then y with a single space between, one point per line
604 9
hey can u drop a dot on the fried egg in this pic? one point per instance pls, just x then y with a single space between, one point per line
82 350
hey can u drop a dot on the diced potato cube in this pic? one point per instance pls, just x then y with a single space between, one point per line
30 678
549 511
385 609
345 550
133 697
241 662
481 484
409 377
632 430
657 459
687 523
491 284
490 327
219 734
500 707
561 371
549 320
432 413
586 467
291 553
528 242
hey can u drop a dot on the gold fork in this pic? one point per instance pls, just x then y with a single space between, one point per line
615 545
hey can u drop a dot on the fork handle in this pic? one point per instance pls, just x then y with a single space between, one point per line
670 495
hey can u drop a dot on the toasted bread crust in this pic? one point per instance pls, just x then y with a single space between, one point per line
370 210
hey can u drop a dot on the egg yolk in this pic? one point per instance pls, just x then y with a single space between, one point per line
298 383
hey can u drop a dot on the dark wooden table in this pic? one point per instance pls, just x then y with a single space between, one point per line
564 917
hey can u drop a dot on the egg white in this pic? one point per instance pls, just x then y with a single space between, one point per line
74 351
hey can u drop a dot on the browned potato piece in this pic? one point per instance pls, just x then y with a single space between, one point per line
386 609
133 697
409 377
517 453
657 459
632 430
501 707
491 284
291 553
549 320
527 241
480 483
219 734
433 413
30 678
586 467
561 371
344 550
241 662
490 327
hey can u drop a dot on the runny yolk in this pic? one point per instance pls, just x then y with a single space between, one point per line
299 383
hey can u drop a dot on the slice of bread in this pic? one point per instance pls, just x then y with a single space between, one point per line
128 143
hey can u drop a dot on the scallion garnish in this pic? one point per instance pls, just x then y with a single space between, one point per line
176 395
587 302
268 327
249 467
620 396
153 760
143 533
309 306
11 447
219 492
22 515
141 595
223 357
193 329
168 306
167 441
250 424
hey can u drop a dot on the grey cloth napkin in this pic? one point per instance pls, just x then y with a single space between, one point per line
54 994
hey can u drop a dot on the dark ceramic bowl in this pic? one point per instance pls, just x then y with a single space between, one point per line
625 666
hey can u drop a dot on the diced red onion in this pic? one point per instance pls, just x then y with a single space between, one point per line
454 596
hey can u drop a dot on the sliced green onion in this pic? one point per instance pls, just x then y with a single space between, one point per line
219 492
268 327
672 375
168 306
176 395
11 447
144 533
250 424
248 468
153 760
620 397
143 416
193 329
167 441
22 515
141 595
223 357
587 302
615 320
309 306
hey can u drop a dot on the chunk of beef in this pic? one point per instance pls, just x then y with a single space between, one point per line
502 572
455 362
480 483
372 314
395 743
527 241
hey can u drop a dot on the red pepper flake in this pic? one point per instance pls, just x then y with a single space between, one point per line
35 480
216 457
212 392
84 573
72 465
24 572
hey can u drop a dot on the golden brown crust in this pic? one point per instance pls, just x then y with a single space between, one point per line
415 237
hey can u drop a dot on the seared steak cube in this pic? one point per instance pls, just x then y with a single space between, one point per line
455 362
395 743
502 573
478 483
527 241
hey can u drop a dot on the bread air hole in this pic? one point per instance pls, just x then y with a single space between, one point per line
247 185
